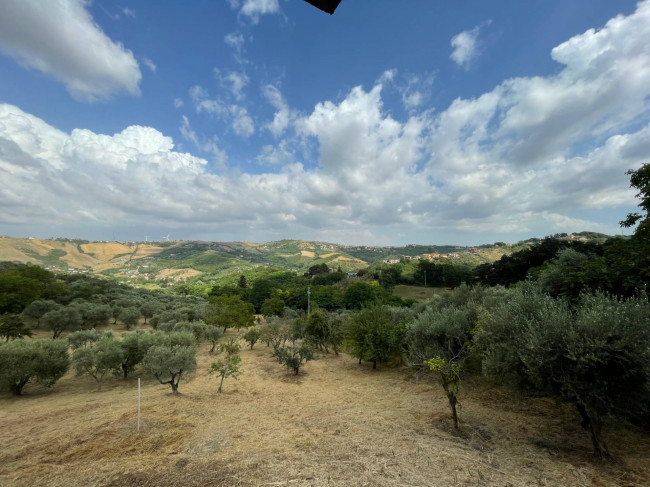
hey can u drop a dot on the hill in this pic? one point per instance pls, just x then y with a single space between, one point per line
161 263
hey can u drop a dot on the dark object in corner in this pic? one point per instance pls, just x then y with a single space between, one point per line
325 5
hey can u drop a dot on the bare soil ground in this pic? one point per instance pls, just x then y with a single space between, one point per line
337 423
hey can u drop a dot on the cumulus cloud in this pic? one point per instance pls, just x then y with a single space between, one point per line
509 161
465 46
63 40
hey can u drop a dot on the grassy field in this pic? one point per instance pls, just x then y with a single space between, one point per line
337 423
419 293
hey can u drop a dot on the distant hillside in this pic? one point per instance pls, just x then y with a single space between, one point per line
156 262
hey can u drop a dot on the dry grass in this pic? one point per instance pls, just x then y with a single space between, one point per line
105 251
307 253
337 423
418 293
177 274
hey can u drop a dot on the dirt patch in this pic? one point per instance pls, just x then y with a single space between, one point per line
307 253
177 274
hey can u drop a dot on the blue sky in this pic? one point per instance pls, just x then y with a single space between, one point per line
387 123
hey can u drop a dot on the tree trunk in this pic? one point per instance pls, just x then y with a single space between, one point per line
99 384
593 425
452 404
56 334
17 389
223 376
374 364
359 360
296 370
125 369
214 344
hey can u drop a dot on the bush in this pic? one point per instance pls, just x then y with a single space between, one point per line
41 361
293 356
251 336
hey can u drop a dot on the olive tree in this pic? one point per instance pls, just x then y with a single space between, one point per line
41 361
596 357
294 356
85 338
213 334
229 365
251 336
170 358
134 347
62 319
438 340
98 359
129 316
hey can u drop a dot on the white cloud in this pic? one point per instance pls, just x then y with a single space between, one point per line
504 162
241 122
128 12
253 9
235 40
178 103
284 116
150 64
465 46
63 41
233 81
209 145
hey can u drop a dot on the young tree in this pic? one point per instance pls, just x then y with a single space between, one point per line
42 361
226 367
12 327
438 339
62 319
293 356
276 332
229 365
373 334
129 316
168 363
99 359
213 334
251 336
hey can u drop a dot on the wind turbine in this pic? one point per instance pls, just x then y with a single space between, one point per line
166 238
146 238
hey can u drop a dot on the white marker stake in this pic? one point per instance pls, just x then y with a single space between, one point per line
138 405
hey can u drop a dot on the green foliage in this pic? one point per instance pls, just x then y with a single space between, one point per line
229 312
373 334
22 284
168 363
98 359
41 361
228 366
36 309
252 335
439 338
12 327
62 319
272 307
276 332
360 295
134 348
196 328
327 297
85 338
294 356
596 357
640 180
129 316
147 310
212 334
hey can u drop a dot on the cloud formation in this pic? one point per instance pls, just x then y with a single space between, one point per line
253 9
62 40
523 158
465 46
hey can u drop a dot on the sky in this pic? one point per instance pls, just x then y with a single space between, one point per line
387 123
